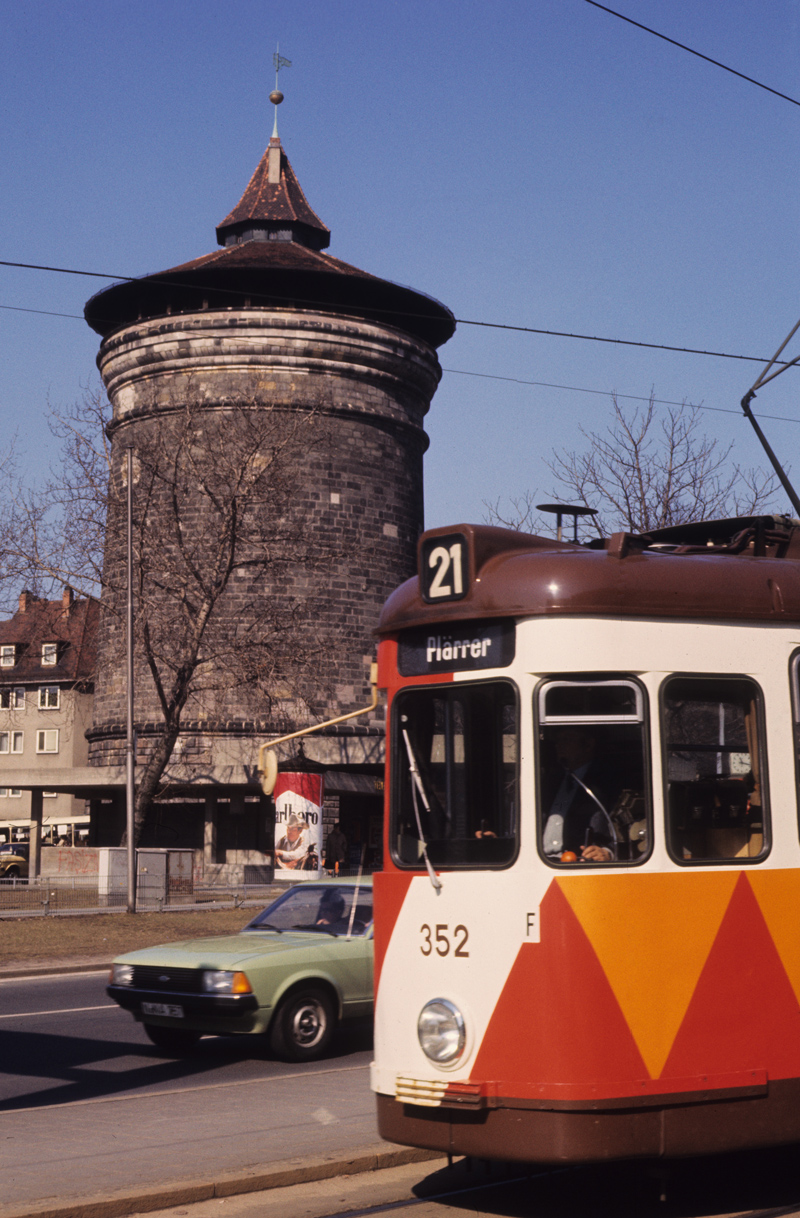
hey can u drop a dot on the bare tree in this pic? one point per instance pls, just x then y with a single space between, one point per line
219 524
648 470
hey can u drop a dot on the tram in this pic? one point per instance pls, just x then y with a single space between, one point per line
586 939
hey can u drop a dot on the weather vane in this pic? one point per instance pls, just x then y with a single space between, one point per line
276 97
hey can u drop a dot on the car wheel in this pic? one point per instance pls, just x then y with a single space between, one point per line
172 1040
303 1025
12 873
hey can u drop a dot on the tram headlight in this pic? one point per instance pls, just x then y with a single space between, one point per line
441 1031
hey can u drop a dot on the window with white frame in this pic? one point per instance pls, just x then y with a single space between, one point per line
12 699
8 655
3 792
17 741
47 741
49 794
49 653
49 697
15 793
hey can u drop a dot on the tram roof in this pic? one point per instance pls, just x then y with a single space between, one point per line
746 569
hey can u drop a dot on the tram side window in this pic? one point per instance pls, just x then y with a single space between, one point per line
463 743
714 768
592 785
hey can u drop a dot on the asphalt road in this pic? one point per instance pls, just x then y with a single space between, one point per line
88 1104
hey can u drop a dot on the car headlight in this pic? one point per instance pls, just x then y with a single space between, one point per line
221 981
122 974
441 1031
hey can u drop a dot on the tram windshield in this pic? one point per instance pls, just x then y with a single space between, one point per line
456 781
714 768
592 790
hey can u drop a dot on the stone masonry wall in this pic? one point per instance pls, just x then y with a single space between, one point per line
360 495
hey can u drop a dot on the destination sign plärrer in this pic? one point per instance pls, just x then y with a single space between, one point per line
464 647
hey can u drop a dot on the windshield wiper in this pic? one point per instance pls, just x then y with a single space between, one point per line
416 785
263 926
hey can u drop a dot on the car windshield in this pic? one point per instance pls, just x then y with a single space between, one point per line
327 909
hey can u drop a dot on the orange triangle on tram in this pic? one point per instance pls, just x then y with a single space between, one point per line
744 1014
778 896
652 933
572 1030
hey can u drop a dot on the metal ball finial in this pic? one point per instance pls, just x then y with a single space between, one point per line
276 97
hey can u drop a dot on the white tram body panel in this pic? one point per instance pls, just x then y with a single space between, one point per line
638 997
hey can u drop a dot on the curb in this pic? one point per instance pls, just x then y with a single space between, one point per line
93 965
159 1197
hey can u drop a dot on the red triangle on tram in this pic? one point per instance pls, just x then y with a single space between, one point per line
557 1020
743 1014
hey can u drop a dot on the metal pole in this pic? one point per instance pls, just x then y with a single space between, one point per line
776 465
129 740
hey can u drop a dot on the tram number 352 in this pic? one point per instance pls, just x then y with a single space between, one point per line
438 938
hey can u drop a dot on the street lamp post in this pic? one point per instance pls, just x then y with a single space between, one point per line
129 740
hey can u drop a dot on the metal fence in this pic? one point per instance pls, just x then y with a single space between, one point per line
63 894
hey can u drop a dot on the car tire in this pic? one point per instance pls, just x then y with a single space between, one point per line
172 1040
12 873
303 1025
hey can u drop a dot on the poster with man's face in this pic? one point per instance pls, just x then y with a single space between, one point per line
298 825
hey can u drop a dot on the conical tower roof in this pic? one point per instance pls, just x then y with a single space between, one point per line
271 257
273 207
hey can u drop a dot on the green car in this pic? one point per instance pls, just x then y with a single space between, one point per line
297 969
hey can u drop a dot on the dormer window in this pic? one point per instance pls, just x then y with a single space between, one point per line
49 653
8 655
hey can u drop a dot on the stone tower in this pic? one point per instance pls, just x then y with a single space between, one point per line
271 319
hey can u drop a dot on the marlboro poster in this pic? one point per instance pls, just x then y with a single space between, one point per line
298 824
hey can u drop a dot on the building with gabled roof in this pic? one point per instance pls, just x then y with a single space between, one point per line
48 652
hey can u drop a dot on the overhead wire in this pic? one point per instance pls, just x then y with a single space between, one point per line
750 80
632 397
459 321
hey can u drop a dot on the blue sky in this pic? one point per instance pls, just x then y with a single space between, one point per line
528 162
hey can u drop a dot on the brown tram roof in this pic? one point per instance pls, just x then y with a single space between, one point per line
740 570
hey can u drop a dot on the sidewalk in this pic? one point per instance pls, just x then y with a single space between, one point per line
88 1182
117 1204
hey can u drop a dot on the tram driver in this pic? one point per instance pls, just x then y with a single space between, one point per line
578 827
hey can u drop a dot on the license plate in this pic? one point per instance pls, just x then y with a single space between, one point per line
170 1009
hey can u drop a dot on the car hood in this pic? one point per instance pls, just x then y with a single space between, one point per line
227 951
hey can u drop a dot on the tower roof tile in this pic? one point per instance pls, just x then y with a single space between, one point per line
275 202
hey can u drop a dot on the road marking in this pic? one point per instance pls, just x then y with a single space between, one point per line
105 1006
156 1095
